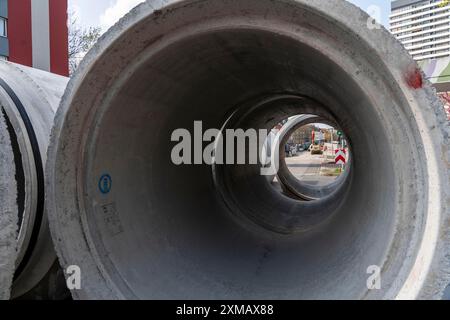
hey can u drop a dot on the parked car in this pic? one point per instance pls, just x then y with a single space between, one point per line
306 145
291 150
316 149
294 151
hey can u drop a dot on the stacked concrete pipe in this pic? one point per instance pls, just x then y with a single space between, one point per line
139 226
290 184
28 101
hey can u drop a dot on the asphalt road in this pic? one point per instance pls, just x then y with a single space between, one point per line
306 168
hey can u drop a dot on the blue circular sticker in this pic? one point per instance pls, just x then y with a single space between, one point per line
105 184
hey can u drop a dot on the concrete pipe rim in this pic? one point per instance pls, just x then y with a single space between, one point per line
28 188
421 232
28 99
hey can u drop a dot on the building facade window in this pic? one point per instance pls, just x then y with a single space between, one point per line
3 27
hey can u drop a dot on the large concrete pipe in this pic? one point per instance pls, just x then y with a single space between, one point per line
28 101
8 211
139 226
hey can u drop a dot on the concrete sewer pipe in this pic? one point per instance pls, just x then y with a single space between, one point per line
139 226
291 185
28 101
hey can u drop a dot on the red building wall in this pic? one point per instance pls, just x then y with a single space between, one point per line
21 29
19 32
59 51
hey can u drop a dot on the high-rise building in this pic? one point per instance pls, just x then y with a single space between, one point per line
34 33
423 26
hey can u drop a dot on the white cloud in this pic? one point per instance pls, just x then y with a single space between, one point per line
116 11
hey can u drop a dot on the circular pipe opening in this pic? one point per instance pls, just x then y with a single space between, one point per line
313 163
248 192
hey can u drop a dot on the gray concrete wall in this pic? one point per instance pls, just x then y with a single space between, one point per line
40 22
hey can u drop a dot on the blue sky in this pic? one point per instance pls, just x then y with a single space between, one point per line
104 13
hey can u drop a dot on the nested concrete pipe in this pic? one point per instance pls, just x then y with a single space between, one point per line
288 181
28 101
139 226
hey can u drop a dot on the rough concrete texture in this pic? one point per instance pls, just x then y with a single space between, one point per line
140 227
30 98
8 212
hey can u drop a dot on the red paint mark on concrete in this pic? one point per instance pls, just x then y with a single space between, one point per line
414 79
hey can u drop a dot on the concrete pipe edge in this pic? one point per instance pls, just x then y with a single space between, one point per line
29 98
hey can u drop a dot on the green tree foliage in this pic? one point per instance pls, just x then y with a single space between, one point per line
80 41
